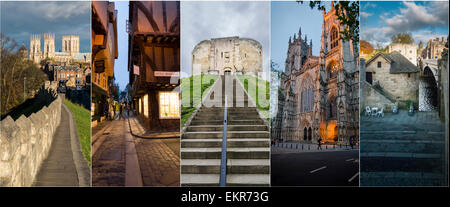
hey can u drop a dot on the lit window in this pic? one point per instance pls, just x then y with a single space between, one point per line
169 105
145 104
139 106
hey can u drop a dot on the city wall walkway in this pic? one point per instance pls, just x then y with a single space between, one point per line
64 165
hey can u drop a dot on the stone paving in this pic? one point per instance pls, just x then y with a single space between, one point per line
402 150
139 130
158 159
59 169
108 162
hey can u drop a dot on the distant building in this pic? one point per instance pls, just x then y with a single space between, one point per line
70 50
227 55
407 50
23 51
434 48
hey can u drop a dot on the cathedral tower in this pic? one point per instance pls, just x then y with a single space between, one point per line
35 48
70 44
49 45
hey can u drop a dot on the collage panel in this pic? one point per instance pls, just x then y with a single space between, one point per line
45 137
225 94
404 98
315 94
136 116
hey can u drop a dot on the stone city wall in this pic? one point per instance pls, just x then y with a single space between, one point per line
25 142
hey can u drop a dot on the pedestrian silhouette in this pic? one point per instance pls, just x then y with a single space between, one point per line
319 144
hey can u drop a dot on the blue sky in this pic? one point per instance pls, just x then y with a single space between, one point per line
424 20
286 19
121 63
20 19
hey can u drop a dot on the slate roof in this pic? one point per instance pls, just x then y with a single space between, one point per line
399 63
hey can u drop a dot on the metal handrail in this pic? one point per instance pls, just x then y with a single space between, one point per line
223 161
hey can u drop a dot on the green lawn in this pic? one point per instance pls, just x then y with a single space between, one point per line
82 118
253 85
189 98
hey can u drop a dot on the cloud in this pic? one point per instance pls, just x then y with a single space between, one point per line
411 17
21 19
206 20
365 14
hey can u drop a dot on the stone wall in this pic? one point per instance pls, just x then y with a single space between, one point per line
374 98
25 142
241 56
402 86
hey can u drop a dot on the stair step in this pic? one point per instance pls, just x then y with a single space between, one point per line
234 166
232 179
195 122
229 128
232 153
254 142
230 134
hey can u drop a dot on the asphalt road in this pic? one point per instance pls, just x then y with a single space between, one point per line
332 168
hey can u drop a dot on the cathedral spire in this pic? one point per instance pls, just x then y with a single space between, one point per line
300 31
310 47
290 40
294 37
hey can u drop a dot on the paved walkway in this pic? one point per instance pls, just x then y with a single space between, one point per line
59 168
158 159
402 150
295 147
140 131
108 162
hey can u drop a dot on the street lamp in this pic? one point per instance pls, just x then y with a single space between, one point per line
24 80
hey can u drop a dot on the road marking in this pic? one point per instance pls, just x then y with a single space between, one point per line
354 176
321 168
350 159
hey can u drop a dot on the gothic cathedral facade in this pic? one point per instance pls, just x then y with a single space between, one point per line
321 99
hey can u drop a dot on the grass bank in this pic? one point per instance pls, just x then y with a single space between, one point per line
82 118
189 99
254 86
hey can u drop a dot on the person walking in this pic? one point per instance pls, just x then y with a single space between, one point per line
120 110
351 142
319 144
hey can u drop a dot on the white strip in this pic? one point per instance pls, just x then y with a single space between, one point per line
354 176
349 159
321 168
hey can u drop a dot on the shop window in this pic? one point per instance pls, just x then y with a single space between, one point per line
169 105
145 105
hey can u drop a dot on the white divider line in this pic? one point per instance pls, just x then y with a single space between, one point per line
353 177
321 168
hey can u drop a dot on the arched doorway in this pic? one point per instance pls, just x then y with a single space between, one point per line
428 91
305 134
309 134
227 71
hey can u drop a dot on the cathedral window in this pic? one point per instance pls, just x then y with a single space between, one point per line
334 38
332 69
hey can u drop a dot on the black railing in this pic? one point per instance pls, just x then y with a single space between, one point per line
223 161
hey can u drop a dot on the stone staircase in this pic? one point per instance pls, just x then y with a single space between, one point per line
248 143
407 151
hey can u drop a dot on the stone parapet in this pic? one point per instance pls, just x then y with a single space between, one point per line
25 143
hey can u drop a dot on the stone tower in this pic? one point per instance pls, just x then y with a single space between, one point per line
35 48
70 44
49 45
